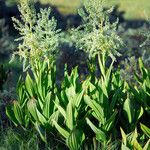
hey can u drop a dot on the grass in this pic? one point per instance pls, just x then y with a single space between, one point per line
134 9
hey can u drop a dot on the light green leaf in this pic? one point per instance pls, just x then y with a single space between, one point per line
78 98
146 147
124 137
145 129
10 114
41 118
124 147
29 85
48 106
69 116
62 131
75 139
18 112
61 110
31 105
110 122
95 107
41 132
127 108
100 135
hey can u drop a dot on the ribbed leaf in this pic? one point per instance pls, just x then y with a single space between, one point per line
18 112
70 92
69 116
100 135
62 131
48 106
61 110
146 147
127 108
41 132
145 129
104 88
10 114
95 107
124 136
29 85
31 105
110 122
41 118
124 147
75 139
78 98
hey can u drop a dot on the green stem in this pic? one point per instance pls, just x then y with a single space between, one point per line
101 62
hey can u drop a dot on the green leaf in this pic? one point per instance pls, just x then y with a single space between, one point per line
70 92
74 76
145 129
110 122
10 114
62 131
69 116
114 99
95 107
29 85
48 106
86 83
146 147
124 137
103 87
75 139
78 98
41 118
31 105
124 147
102 69
128 109
41 132
108 73
40 86
61 110
100 135
18 112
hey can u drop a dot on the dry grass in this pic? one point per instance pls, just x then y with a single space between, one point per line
135 9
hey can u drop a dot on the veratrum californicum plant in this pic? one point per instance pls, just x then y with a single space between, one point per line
96 35
38 34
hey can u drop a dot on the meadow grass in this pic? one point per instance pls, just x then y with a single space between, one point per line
134 9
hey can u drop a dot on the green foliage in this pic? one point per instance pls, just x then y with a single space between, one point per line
130 141
78 110
35 103
142 93
71 106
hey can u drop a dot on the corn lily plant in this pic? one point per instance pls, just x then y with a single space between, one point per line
78 110
72 108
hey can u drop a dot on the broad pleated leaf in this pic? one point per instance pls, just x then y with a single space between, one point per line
62 131
100 135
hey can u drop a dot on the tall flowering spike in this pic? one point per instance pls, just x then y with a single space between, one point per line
38 34
96 35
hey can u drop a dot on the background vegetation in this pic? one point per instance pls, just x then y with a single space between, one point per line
134 9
